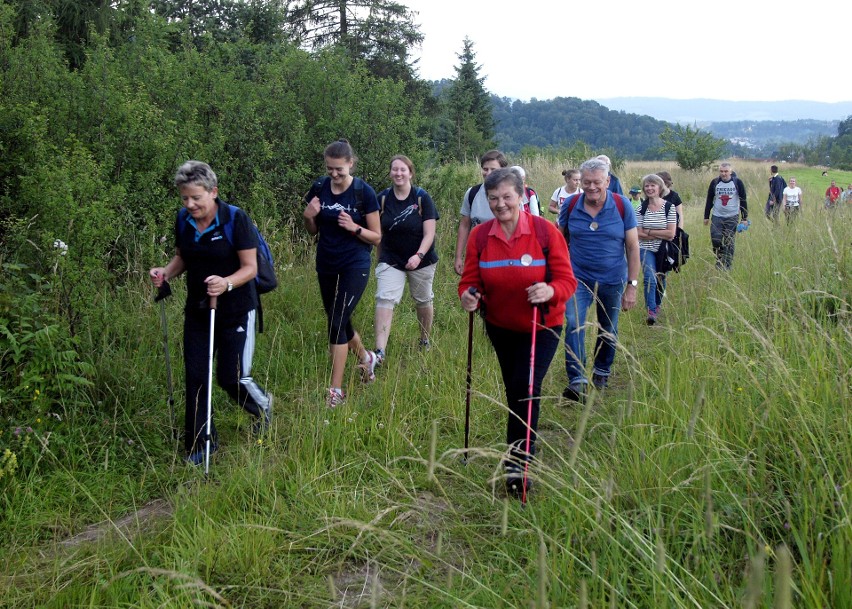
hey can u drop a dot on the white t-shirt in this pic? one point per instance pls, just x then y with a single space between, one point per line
560 194
479 212
794 196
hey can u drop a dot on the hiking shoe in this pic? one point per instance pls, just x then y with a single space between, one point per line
515 482
334 398
368 368
262 421
197 457
424 344
652 317
600 381
575 392
380 357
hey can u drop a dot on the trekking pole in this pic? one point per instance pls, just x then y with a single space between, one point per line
472 290
207 432
164 292
530 388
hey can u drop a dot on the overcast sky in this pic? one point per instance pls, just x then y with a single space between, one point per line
750 50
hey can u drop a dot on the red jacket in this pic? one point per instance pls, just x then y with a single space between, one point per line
833 193
497 272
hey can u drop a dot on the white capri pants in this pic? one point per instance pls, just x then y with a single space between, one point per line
390 284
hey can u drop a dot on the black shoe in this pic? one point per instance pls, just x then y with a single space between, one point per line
515 484
575 392
600 381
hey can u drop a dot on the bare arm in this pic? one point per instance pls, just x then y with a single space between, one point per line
461 243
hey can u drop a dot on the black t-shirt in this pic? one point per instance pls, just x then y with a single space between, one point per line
674 198
212 254
402 227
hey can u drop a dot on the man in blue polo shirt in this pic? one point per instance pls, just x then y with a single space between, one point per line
604 249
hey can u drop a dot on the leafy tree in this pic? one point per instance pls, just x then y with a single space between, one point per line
379 32
469 118
693 149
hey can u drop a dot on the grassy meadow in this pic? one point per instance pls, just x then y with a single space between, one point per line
716 471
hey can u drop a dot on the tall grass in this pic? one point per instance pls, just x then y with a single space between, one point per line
714 472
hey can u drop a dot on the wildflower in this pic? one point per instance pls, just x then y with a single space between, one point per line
17 431
326 422
739 388
38 420
349 420
130 442
381 425
259 441
29 429
60 245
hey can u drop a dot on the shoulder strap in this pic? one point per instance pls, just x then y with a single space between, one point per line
471 194
644 207
482 237
419 192
619 203
382 204
228 227
543 236
571 203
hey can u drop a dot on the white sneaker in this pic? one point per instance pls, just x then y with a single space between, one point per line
368 368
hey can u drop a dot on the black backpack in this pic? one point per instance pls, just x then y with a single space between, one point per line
672 254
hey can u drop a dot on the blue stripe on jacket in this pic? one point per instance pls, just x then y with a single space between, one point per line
496 264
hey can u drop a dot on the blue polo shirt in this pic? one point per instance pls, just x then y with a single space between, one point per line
597 256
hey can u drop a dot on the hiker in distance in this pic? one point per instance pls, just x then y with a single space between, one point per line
223 267
726 202
516 262
343 210
474 208
601 227
776 193
407 253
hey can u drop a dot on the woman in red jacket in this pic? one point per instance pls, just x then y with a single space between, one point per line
514 263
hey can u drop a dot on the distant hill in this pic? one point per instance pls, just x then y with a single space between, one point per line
702 111
634 133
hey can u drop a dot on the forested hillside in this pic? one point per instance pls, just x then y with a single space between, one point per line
562 121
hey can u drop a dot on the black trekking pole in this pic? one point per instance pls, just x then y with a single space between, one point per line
162 293
472 290
207 432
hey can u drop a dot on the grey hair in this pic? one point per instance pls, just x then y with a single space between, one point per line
519 170
504 174
196 173
605 159
655 179
594 165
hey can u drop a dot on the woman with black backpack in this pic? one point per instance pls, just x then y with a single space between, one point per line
656 219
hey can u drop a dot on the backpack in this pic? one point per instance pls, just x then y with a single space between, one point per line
541 234
529 193
572 203
265 280
671 255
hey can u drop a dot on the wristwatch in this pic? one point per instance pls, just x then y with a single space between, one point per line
230 286
358 232
419 255
633 282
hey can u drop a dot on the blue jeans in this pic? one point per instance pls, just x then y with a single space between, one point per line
607 300
649 276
